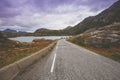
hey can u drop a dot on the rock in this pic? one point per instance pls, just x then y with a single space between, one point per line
105 37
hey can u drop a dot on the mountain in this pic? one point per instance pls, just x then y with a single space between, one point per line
67 28
108 16
101 31
13 33
48 32
10 30
22 32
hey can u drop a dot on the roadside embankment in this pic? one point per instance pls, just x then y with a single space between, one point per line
10 71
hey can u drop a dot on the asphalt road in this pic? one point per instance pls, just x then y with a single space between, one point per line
70 62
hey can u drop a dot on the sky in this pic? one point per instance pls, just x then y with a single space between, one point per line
29 15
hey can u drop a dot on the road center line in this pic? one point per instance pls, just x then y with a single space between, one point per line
52 67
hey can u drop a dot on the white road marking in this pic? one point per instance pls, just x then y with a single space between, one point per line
53 64
52 67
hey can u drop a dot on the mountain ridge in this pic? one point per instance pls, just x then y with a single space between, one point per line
106 17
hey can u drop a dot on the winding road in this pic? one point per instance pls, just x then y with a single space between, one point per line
71 62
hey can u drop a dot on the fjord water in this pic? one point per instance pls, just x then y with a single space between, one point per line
31 38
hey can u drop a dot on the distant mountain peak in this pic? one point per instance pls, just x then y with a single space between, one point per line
10 30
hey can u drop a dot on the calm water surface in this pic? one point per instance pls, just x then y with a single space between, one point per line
31 38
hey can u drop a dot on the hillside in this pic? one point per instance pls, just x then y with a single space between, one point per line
13 33
104 40
108 16
105 37
10 31
48 32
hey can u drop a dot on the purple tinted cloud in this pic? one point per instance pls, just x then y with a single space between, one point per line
8 7
23 12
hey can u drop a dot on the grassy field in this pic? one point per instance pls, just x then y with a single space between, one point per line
11 51
113 53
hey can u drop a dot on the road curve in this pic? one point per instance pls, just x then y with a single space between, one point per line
70 62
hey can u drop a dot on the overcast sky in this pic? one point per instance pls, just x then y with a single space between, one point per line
29 15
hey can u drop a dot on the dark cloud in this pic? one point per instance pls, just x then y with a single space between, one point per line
15 12
7 9
11 7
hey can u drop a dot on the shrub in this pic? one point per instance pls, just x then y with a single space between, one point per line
77 40
107 44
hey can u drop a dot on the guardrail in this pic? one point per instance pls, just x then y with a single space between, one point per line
10 71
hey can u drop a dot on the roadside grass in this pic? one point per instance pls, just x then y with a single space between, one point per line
11 51
113 53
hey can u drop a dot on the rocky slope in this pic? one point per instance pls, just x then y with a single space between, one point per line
104 37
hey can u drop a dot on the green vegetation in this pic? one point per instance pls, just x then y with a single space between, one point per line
107 44
107 51
77 40
113 53
11 51
48 32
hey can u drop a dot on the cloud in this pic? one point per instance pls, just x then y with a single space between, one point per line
29 15
64 16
